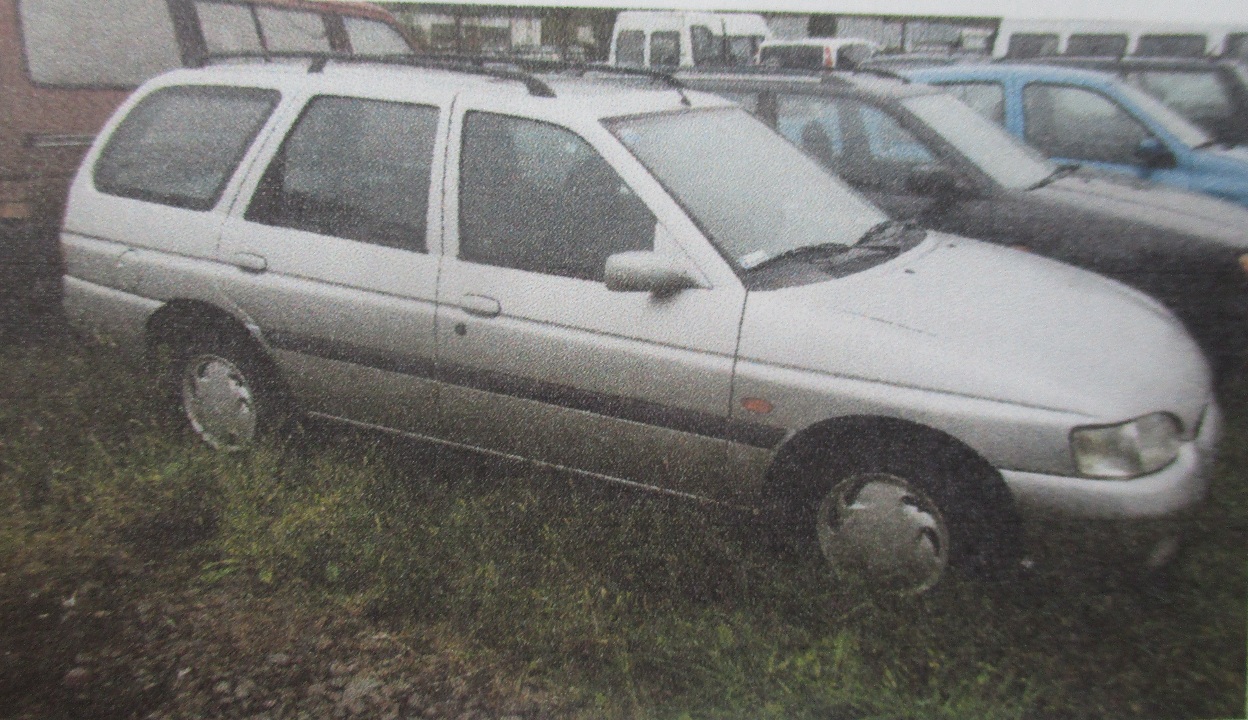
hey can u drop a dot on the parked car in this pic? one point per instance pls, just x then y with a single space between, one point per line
643 284
1089 118
66 65
1213 94
923 156
816 53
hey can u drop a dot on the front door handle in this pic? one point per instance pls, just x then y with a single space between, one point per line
250 262
480 305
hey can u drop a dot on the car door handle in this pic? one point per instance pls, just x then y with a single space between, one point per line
480 305
250 262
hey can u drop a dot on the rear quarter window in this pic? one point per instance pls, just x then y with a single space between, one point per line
179 146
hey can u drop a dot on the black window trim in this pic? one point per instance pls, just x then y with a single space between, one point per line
291 127
167 200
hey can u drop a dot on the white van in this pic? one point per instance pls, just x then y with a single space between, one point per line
816 53
686 39
1027 38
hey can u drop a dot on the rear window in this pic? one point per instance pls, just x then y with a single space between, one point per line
70 43
179 146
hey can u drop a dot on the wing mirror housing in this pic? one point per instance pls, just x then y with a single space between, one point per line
648 271
1154 155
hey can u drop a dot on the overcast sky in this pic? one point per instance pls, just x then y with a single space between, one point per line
1210 11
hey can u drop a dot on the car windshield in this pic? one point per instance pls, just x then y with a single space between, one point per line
1170 121
990 148
752 192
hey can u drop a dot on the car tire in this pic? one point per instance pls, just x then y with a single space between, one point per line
905 514
225 393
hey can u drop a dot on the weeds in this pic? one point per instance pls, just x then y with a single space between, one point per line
644 607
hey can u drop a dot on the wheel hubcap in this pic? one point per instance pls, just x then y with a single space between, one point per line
881 526
219 402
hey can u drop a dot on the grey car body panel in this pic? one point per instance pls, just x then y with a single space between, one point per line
1003 351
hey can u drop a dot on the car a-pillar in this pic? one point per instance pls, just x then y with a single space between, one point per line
895 504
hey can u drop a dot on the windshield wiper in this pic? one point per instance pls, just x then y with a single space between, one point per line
888 235
1059 172
804 252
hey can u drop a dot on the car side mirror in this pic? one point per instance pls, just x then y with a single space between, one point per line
648 271
1154 155
934 182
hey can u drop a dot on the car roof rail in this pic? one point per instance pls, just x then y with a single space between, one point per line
452 63
539 65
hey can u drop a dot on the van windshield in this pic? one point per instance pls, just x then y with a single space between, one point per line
755 195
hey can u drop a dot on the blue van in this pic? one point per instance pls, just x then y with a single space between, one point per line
1090 118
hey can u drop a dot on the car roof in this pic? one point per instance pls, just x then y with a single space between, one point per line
585 95
1135 61
1004 71
880 85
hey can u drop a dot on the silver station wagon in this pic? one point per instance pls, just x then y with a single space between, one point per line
637 283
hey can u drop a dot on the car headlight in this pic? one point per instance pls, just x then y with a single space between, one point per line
1128 450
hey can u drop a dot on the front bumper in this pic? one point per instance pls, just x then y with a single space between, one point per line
1138 521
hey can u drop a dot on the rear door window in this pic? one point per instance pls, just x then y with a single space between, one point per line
180 145
354 169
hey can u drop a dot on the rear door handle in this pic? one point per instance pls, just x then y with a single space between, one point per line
250 262
480 305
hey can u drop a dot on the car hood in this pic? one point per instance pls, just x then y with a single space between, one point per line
967 318
1139 202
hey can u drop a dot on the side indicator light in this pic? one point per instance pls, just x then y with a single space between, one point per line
757 405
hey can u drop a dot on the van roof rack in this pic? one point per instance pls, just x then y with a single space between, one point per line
318 61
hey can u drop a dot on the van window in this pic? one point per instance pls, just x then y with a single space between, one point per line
228 28
1171 45
1029 45
630 48
665 48
370 37
708 48
179 146
354 169
69 43
293 31
1088 45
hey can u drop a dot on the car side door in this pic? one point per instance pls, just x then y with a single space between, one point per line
332 254
1075 124
539 358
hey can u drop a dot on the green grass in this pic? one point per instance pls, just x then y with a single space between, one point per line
639 606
